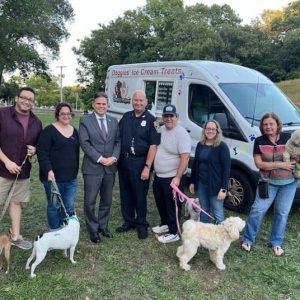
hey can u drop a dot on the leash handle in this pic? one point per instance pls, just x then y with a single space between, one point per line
183 197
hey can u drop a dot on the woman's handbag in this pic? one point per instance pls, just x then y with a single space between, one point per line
263 189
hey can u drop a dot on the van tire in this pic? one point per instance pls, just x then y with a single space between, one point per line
240 192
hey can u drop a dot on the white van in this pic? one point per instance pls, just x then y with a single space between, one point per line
235 96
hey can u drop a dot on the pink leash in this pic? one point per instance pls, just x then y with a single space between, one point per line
182 197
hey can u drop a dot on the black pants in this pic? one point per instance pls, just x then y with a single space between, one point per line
133 191
165 203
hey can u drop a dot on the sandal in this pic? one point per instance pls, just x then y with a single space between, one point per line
246 247
278 251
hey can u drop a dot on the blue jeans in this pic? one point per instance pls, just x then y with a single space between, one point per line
210 203
56 213
283 197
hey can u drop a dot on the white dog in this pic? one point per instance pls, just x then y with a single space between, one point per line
215 238
65 238
292 151
191 211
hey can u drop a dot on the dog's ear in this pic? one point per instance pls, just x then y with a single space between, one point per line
232 230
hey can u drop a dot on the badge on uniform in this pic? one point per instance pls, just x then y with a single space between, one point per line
143 124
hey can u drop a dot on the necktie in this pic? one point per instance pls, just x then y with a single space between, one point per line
102 128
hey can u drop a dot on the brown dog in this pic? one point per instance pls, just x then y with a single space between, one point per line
5 251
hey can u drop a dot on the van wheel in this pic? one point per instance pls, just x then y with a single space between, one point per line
240 192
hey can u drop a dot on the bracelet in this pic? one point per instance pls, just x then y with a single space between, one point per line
147 166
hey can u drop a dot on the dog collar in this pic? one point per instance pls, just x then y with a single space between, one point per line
72 217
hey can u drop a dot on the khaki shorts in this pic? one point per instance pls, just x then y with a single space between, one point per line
21 192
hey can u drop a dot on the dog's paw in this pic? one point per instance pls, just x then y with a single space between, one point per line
27 267
7 272
73 261
32 275
185 267
221 267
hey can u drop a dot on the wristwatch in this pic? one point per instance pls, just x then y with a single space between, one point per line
223 191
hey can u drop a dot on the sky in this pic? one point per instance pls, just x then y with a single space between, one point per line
90 13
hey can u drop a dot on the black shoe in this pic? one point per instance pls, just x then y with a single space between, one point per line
124 228
105 232
142 233
94 237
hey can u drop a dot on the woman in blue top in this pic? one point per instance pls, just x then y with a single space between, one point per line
268 157
211 171
58 156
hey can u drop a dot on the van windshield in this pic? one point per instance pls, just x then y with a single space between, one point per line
254 100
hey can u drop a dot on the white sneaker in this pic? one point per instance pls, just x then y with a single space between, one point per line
160 229
168 238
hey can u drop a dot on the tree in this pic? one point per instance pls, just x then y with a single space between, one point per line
283 27
25 25
8 91
161 30
47 89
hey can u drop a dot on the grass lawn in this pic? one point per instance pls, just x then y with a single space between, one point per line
127 268
292 89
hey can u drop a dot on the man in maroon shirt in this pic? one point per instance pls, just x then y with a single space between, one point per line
19 132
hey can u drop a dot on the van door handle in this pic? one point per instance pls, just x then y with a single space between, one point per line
187 130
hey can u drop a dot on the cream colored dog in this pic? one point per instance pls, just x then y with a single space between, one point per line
292 151
191 211
215 238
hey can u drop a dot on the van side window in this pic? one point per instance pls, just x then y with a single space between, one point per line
159 93
150 91
164 94
205 105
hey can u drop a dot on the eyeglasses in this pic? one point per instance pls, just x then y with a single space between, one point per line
65 114
23 98
210 129
168 116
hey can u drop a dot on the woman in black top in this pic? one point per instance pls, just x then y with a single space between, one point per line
58 156
211 171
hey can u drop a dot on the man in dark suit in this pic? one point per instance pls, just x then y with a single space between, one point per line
99 140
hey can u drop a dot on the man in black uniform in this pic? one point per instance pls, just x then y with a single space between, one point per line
139 140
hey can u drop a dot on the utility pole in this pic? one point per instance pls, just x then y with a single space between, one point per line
61 76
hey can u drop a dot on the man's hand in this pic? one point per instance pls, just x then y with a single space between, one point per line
31 150
175 181
12 167
108 161
145 173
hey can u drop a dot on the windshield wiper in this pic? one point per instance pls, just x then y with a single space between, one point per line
252 120
291 123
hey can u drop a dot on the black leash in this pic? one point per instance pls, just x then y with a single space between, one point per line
56 198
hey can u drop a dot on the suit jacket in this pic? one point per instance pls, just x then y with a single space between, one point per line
94 145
